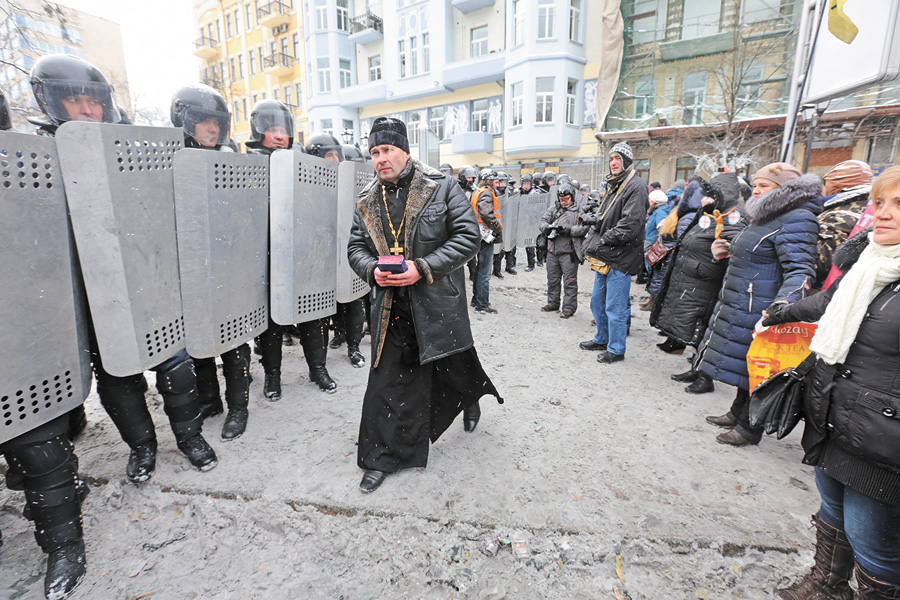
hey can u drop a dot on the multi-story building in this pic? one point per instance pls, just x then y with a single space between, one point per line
28 31
251 51
707 81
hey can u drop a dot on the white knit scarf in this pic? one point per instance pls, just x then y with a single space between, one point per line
877 266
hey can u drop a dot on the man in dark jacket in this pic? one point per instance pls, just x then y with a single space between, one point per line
424 366
614 249
564 232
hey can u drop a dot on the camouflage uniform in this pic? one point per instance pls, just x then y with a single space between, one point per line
842 211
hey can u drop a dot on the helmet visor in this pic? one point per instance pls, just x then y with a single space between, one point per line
275 119
69 100
209 127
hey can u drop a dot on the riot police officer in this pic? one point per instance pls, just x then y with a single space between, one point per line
203 114
350 320
466 178
272 128
352 153
510 255
68 88
548 180
446 169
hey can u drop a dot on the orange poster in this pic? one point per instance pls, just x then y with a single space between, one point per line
777 348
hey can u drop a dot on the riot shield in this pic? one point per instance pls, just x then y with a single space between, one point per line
352 178
531 208
45 369
509 216
122 204
303 204
222 218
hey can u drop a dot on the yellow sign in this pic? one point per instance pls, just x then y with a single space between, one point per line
839 23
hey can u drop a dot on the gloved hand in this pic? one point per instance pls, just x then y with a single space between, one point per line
777 313
721 249
563 230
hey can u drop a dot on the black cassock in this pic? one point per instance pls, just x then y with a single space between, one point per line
407 405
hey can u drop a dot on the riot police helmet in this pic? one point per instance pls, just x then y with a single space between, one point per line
446 169
69 88
324 145
352 153
466 175
566 189
203 114
584 188
271 125
595 195
503 176
563 179
527 177
5 120
487 174
575 184
549 178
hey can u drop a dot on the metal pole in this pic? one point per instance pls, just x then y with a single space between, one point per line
797 78
810 135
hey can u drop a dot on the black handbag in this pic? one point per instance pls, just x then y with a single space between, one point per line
777 403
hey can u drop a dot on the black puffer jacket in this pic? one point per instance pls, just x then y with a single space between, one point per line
688 294
618 240
441 235
852 409
774 258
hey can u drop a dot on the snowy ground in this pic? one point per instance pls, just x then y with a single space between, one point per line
592 465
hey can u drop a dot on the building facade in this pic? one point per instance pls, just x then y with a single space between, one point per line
251 51
28 32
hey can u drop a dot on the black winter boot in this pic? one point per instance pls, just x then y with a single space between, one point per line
208 393
178 388
703 384
686 377
312 337
471 415
141 462
235 423
319 375
200 454
832 568
873 589
236 366
356 357
272 385
66 567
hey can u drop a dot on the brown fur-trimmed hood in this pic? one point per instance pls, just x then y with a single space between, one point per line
805 191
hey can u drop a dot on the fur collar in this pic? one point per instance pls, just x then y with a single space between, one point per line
849 252
791 195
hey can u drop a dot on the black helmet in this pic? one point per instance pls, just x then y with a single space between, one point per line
465 172
595 195
527 177
59 77
195 104
320 144
575 184
265 115
549 177
584 188
487 174
563 179
352 153
124 119
446 169
566 189
503 176
5 120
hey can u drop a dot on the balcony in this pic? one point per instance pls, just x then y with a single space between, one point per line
279 64
206 48
472 141
702 46
467 6
274 14
212 81
475 71
366 29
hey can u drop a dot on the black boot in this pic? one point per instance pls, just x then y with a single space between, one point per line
236 366
141 462
702 385
178 387
686 377
319 375
312 337
66 567
200 454
338 340
356 357
832 568
287 339
272 385
208 393
471 415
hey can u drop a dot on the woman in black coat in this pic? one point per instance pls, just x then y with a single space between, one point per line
852 410
688 293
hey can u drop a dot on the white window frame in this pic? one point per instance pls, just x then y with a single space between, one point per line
518 23
478 46
343 15
413 121
375 69
345 78
575 21
692 98
436 121
414 56
323 68
571 90
543 100
426 53
321 11
479 115
402 58
545 19
251 60
517 104
644 91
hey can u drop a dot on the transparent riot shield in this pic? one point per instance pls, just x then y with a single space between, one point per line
531 208
121 199
222 219
45 369
303 205
352 178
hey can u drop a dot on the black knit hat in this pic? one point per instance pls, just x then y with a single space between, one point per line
387 130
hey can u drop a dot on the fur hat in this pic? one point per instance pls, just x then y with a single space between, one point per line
778 173
387 130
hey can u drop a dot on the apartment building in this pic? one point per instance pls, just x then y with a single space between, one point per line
28 31
251 51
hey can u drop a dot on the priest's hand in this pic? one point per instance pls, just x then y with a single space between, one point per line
386 279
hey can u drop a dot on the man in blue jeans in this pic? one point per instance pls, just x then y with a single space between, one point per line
487 210
614 249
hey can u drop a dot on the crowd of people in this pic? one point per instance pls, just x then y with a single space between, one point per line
718 257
